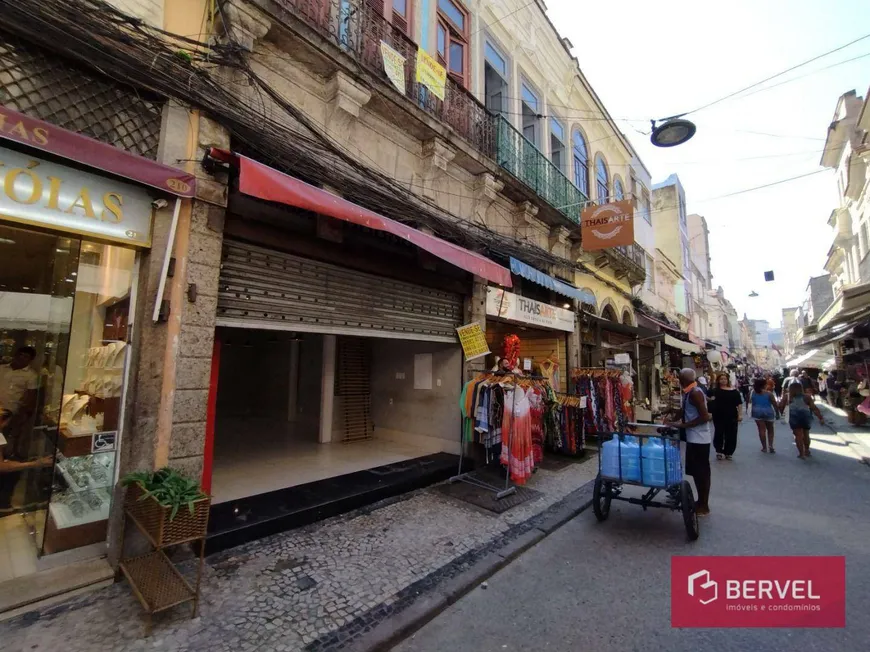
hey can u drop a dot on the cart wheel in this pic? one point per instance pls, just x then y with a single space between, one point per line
687 503
601 499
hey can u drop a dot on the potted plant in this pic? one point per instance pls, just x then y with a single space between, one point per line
169 507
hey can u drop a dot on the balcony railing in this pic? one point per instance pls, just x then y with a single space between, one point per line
359 29
632 258
519 156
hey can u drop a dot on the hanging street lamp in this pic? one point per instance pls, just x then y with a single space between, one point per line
672 132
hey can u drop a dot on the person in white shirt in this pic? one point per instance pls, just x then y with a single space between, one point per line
695 420
18 382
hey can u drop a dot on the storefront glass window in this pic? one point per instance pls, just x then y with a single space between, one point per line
66 301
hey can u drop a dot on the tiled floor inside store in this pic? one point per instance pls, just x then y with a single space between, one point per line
258 456
17 552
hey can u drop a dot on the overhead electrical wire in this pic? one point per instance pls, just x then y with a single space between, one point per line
774 76
49 22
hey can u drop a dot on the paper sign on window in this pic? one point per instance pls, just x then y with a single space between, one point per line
394 66
431 74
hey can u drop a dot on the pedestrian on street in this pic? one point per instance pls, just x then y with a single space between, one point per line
823 386
793 377
765 412
807 382
695 420
726 406
800 409
743 383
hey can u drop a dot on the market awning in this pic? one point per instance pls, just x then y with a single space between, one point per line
261 181
644 334
44 136
686 347
814 359
520 268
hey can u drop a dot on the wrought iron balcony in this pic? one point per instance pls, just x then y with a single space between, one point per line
628 261
358 29
519 156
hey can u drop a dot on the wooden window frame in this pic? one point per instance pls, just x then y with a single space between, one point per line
453 34
409 18
585 189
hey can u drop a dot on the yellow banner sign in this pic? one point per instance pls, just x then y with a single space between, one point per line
394 66
431 74
473 341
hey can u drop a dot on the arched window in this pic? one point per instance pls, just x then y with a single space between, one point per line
626 318
601 180
581 164
618 190
609 314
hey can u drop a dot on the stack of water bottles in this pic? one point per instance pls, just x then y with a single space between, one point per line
651 461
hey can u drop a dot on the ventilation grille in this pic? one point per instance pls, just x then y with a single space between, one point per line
44 86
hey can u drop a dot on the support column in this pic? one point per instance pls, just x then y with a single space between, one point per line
293 392
327 389
475 310
573 347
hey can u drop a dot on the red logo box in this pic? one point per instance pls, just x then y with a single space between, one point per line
758 591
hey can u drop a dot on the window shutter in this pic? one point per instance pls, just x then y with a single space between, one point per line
377 5
399 22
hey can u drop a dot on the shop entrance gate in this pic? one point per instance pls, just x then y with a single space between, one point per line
268 289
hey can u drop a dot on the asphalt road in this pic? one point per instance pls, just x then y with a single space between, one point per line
603 587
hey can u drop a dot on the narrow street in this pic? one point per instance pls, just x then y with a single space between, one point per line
605 587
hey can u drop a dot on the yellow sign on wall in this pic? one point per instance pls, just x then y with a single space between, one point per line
394 66
473 341
431 74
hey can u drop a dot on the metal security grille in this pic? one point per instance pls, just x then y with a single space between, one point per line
264 288
353 388
44 86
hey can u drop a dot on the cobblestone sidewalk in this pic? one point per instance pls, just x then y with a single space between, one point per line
312 589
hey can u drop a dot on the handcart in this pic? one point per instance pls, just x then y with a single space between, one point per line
621 462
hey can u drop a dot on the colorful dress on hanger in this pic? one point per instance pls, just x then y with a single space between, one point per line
516 450
536 412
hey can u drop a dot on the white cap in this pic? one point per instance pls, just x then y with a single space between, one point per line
702 380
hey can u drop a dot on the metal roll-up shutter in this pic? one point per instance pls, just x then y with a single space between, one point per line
264 288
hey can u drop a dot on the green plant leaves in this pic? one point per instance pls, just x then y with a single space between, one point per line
168 487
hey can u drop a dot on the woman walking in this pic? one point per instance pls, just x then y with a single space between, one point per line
726 406
800 409
765 412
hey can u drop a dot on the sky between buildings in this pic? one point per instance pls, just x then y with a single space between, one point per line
653 60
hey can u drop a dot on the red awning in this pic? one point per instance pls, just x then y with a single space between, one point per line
47 137
263 182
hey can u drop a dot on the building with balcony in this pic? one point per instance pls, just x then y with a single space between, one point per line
671 227
789 330
847 153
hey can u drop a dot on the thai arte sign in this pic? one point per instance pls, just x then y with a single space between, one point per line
431 74
610 225
512 307
394 66
41 193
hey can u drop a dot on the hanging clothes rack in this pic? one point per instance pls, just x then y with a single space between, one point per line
469 476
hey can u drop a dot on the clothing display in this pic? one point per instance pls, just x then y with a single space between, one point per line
563 425
508 415
605 402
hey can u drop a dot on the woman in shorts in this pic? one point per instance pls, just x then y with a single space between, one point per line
800 409
765 412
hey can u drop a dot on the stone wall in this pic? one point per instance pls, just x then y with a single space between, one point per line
151 11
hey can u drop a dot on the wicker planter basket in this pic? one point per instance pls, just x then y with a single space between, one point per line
153 519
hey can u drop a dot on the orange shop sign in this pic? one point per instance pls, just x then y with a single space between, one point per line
610 225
